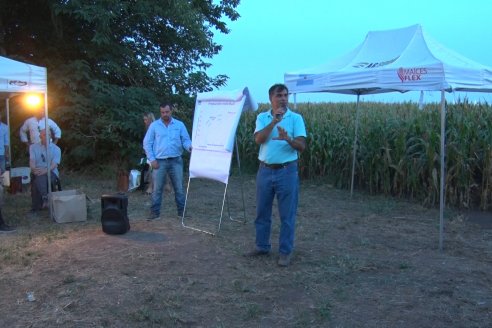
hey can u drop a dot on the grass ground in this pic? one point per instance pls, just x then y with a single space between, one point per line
359 262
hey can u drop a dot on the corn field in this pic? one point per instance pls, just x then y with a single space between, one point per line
398 149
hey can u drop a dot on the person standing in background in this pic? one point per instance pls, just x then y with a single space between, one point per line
163 144
148 118
281 135
146 173
36 123
4 153
4 145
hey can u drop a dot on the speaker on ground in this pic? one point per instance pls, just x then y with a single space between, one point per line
114 215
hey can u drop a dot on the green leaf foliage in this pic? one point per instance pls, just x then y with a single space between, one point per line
109 61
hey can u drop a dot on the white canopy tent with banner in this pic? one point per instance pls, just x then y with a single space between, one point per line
17 78
401 60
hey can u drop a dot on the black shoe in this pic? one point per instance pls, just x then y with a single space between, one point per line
153 217
256 253
6 228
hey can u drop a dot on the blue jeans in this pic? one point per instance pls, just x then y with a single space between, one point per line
2 163
39 189
174 168
284 183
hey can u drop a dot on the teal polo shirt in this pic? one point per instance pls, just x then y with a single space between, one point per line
279 151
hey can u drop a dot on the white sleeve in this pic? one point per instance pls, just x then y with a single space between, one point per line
23 131
55 129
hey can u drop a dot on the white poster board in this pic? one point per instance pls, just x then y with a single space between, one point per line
215 122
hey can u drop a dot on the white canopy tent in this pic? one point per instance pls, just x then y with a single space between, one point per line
401 60
17 78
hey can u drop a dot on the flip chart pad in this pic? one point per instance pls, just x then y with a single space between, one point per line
214 128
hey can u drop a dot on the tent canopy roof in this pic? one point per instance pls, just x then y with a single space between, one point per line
18 77
401 60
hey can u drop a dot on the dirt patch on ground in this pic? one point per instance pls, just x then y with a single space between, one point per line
360 262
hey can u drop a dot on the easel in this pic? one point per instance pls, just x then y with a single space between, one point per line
217 115
224 199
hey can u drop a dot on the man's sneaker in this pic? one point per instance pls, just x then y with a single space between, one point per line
153 217
284 259
256 252
6 228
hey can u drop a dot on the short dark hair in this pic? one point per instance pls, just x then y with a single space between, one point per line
277 87
164 104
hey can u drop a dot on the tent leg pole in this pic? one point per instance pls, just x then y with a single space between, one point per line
48 156
442 185
241 181
7 103
355 146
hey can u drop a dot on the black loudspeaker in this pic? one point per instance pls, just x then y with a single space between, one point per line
114 215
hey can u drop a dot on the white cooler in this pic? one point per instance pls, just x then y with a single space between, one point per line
24 172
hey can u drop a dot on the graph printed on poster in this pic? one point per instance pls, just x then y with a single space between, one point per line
214 129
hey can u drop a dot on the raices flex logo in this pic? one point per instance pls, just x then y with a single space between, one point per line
411 74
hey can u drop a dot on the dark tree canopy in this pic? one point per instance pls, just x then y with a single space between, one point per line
109 61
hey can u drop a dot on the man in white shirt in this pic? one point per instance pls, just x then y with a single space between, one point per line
36 123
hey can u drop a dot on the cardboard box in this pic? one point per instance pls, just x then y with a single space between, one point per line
69 206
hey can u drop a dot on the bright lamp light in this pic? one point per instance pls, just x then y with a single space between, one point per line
33 100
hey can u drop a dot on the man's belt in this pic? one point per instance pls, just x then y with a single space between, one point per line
276 166
167 158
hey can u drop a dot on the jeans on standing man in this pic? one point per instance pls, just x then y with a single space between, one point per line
174 168
284 183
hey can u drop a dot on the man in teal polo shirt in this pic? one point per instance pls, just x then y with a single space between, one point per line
281 135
